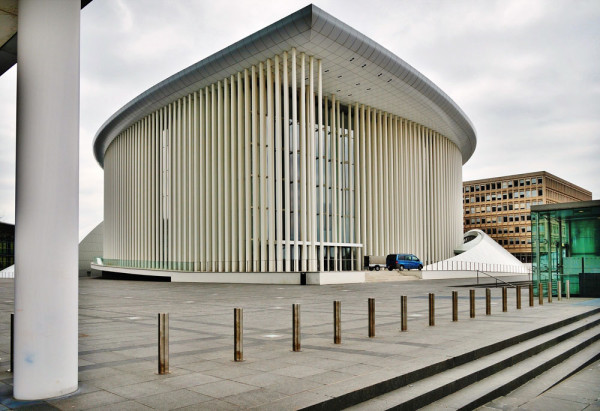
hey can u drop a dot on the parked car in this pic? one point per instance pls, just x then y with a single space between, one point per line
403 262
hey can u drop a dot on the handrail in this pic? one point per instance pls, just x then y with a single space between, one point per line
496 278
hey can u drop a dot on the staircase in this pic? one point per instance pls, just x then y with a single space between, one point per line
479 376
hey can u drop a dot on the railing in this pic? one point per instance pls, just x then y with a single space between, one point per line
496 278
454 265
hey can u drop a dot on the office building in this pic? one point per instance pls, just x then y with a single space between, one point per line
500 206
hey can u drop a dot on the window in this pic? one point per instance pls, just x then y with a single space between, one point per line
504 184
534 180
539 180
488 197
483 221
466 189
516 195
521 183
510 207
476 188
527 182
540 192
487 186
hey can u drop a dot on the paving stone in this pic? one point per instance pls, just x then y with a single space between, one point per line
254 398
174 399
221 389
85 401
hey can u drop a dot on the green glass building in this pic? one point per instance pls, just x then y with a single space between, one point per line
566 246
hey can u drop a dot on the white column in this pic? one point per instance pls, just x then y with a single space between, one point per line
47 200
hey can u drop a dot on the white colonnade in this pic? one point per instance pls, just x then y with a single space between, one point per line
264 171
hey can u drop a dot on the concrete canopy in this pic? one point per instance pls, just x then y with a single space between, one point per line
355 69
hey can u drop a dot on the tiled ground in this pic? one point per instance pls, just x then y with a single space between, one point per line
118 341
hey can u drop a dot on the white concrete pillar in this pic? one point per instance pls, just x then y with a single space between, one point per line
47 201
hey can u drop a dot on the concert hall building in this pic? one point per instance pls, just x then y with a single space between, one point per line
302 148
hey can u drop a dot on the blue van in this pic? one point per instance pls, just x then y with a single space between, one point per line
402 262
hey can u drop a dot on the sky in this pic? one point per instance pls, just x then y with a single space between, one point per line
526 72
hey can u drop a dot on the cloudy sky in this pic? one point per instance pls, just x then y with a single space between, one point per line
526 72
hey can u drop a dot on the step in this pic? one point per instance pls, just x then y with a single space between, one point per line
513 377
424 391
547 380
354 396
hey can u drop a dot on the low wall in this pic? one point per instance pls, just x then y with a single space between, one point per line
319 278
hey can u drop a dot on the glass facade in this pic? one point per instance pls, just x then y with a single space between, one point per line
566 246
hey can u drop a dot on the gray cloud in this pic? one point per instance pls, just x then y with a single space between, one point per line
526 73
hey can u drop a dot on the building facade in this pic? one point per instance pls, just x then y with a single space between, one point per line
500 206
7 245
303 147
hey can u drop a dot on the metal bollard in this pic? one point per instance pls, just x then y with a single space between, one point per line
504 303
518 297
540 294
337 324
454 306
12 343
472 303
488 301
549 291
403 313
568 290
559 290
431 309
163 343
238 334
296 327
531 295
371 317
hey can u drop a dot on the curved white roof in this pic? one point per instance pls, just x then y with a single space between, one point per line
357 70
480 248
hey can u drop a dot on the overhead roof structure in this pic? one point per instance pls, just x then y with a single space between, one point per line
9 11
356 69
